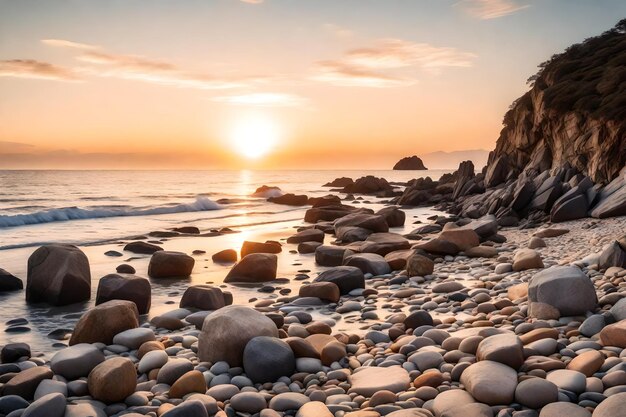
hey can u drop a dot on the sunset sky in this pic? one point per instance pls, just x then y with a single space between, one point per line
212 84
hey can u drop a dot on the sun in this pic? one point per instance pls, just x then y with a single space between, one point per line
254 136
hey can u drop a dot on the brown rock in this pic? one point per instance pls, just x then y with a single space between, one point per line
113 380
192 381
26 382
418 265
538 334
148 347
587 363
255 267
397 259
302 348
543 311
464 239
526 259
515 292
167 264
104 321
332 352
504 348
125 287
328 291
225 256
203 297
432 378
614 334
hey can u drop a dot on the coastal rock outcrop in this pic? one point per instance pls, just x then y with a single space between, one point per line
59 275
409 163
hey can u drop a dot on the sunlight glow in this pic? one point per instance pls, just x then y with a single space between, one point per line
254 136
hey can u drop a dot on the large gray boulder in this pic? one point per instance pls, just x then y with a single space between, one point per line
59 275
76 361
565 287
368 263
125 287
255 267
226 332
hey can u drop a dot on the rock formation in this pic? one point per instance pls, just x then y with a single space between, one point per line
410 163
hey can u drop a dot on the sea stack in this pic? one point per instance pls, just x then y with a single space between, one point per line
410 163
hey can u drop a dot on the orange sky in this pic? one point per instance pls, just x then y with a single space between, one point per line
310 84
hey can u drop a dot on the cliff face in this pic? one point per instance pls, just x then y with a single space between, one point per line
574 116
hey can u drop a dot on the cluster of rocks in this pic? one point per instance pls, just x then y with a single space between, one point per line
455 320
527 199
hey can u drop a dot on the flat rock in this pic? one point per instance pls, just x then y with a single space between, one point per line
368 380
76 361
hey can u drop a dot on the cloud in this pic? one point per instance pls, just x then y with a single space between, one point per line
490 9
389 63
252 1
346 75
30 68
398 53
140 68
8 146
264 100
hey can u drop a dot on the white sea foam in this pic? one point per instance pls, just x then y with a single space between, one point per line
77 213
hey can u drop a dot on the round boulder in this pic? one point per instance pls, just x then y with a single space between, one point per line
167 264
125 287
265 359
104 321
565 287
226 332
58 275
490 382
113 380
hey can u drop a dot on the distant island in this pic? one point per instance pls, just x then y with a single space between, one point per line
410 163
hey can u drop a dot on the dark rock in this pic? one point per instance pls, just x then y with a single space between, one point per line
327 255
308 247
349 234
204 297
189 230
26 382
438 246
393 216
368 185
125 287
289 200
497 171
347 278
384 243
612 198
11 352
113 253
307 235
266 191
9 282
167 264
570 209
142 248
371 263
59 275
418 318
125 269
410 163
372 222
256 267
265 359
189 408
339 182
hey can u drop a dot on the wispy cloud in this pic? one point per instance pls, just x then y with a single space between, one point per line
347 75
386 63
490 9
140 68
398 53
264 100
30 68
252 1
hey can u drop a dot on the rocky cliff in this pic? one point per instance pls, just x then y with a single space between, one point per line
574 116
562 152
